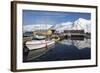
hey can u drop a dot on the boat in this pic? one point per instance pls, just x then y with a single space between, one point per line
39 37
37 47
36 44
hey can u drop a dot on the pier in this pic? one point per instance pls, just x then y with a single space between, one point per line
72 35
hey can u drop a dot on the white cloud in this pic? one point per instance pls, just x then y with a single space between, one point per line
34 27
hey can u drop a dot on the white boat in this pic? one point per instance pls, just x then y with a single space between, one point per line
36 44
39 37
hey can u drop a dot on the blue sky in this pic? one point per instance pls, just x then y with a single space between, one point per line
51 17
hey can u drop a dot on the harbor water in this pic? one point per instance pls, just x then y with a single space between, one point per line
63 50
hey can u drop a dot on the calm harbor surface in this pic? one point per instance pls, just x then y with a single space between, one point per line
63 50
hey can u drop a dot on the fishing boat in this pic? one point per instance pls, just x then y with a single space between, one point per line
36 44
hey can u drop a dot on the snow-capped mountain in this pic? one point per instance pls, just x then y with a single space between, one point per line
63 26
82 24
79 24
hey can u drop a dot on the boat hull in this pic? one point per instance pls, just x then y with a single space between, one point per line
38 44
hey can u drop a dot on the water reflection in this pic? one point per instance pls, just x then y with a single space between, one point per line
80 44
63 50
